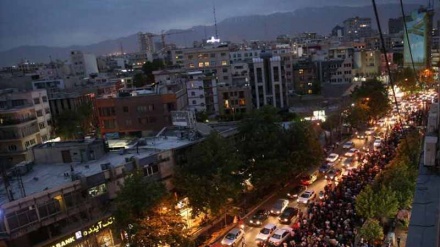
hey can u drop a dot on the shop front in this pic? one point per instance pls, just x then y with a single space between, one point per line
99 234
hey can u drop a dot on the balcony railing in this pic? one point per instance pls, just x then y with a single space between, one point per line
12 121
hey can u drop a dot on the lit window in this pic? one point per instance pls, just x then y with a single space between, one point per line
206 64
227 104
191 65
200 64
224 63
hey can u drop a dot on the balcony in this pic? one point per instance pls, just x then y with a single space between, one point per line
12 121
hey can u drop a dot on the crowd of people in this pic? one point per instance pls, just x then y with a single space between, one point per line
332 220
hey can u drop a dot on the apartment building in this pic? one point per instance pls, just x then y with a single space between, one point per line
234 100
202 93
267 81
83 64
356 28
367 63
138 112
25 121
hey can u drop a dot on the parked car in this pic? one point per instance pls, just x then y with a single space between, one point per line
233 237
309 179
324 168
259 217
332 158
279 206
349 163
360 135
351 152
287 215
370 131
306 197
334 174
281 235
293 193
348 145
265 233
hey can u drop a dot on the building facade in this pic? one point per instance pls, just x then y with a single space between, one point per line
202 93
234 101
83 64
356 28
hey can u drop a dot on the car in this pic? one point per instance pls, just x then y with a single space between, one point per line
259 217
306 197
324 168
309 179
332 158
293 193
287 215
377 143
360 135
233 237
334 174
265 233
348 145
279 206
281 235
349 163
351 152
369 131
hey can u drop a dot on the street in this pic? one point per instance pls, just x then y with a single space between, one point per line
317 186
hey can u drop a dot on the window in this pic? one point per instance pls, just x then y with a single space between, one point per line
128 122
194 102
39 113
213 63
193 93
225 77
47 110
109 124
44 98
223 54
151 107
12 147
224 63
107 111
225 70
36 101
41 125
141 109
125 108
200 64
206 64
151 170
97 190
212 55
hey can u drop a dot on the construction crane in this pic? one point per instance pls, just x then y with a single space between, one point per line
163 34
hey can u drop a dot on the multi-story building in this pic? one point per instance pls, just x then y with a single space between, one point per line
367 63
338 31
267 81
83 64
145 41
395 25
356 28
209 60
240 74
138 112
234 100
202 93
25 120
243 55
304 77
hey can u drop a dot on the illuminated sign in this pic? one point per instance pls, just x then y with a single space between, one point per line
95 228
417 26
213 40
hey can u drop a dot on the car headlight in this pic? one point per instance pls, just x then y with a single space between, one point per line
251 221
297 200
278 212
258 222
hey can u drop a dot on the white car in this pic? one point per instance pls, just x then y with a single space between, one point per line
332 158
281 235
306 197
351 152
377 143
369 131
233 237
266 232
348 145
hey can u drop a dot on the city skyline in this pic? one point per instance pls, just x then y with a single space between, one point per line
63 23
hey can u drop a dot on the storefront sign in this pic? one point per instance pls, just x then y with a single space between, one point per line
95 228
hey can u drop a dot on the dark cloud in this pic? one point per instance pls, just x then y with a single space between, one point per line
69 22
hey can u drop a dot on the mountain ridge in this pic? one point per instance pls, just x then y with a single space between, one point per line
249 27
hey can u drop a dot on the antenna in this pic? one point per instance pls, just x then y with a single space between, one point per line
122 48
215 21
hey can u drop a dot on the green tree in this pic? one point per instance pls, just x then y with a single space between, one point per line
302 146
139 80
371 231
372 96
260 146
211 177
73 124
137 196
386 204
365 201
406 80
149 67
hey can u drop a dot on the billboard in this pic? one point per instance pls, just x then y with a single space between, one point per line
183 118
418 31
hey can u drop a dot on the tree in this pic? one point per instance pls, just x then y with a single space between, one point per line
406 80
372 97
331 123
139 80
371 231
302 146
73 124
149 67
211 177
365 203
136 197
386 204
260 147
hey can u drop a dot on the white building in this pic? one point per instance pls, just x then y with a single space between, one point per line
268 85
202 93
83 64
